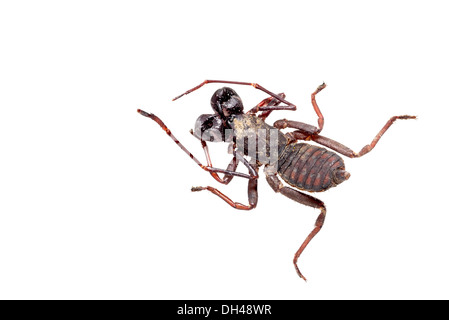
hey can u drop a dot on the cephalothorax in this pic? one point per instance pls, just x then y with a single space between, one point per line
253 142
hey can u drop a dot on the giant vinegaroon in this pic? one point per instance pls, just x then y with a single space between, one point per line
303 166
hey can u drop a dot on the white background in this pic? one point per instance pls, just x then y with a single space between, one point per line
95 199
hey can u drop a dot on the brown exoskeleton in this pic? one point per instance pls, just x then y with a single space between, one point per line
303 166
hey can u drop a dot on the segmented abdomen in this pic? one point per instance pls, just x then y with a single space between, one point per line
311 168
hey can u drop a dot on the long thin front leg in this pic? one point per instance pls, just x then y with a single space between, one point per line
304 199
252 194
289 105
206 168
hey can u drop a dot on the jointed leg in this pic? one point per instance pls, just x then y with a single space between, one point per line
231 167
289 105
267 106
206 168
340 148
307 132
304 199
373 143
252 195
305 128
315 107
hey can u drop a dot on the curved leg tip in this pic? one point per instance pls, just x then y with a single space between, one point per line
407 117
145 114
299 273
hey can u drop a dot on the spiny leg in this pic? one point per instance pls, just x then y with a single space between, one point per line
289 105
252 194
206 168
340 148
276 184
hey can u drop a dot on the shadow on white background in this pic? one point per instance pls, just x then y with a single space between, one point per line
95 199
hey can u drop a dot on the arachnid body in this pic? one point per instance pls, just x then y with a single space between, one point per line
253 142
